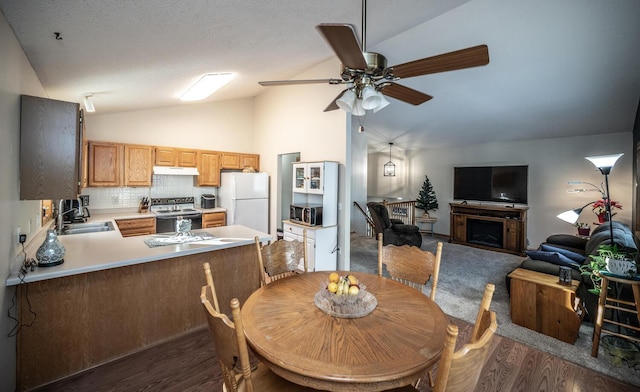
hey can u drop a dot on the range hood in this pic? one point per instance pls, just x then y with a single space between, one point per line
175 171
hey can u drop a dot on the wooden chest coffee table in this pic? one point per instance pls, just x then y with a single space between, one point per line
539 302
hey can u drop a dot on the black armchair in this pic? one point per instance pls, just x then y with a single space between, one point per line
394 231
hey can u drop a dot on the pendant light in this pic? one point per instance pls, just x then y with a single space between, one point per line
389 167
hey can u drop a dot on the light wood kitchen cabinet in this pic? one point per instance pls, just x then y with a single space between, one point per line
186 158
136 226
171 156
209 168
214 219
235 160
164 156
50 145
114 164
137 165
105 161
230 160
250 160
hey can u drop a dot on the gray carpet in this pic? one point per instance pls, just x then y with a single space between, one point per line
464 271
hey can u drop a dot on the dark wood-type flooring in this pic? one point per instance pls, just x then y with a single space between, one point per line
189 363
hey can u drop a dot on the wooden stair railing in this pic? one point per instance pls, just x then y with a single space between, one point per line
403 210
370 224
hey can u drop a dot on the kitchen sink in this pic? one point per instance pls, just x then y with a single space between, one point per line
80 228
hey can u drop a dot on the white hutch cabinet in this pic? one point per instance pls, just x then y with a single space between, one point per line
316 183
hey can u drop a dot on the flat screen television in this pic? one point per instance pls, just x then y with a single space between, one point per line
507 184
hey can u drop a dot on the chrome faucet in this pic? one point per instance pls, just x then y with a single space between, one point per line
60 219
79 213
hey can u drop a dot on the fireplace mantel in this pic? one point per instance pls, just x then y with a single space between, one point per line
506 224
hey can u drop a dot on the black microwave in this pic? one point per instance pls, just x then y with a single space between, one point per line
306 214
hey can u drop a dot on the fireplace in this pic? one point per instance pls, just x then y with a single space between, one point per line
485 232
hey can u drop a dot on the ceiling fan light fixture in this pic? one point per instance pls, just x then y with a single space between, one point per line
383 103
371 99
358 110
347 101
205 86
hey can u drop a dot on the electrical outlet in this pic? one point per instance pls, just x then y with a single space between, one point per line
19 231
22 238
85 200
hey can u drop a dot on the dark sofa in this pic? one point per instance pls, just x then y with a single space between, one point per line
546 258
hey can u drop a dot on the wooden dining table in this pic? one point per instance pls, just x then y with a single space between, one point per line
392 346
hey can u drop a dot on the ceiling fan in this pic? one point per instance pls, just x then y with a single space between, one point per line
367 73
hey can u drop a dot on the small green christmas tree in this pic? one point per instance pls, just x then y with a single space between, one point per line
427 198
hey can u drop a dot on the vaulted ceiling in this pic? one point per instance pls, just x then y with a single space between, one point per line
557 68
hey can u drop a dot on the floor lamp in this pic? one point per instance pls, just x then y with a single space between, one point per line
605 163
572 216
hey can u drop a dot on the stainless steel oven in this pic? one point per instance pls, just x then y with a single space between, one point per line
167 223
168 209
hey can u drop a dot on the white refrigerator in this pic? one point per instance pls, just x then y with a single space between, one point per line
245 196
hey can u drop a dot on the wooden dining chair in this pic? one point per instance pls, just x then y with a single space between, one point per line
233 353
459 371
281 258
410 265
483 319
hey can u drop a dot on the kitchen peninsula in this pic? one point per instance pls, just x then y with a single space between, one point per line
113 296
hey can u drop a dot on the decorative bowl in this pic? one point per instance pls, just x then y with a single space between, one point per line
345 306
624 267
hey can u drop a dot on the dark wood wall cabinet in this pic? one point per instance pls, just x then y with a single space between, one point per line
502 229
50 149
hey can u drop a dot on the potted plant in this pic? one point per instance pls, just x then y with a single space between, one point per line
600 209
600 262
583 229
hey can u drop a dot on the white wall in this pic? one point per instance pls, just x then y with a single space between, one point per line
222 126
358 159
552 163
388 187
17 77
291 119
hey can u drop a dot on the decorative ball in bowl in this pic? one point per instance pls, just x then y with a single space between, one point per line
624 267
344 296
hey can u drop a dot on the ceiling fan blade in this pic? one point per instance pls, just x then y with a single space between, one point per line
342 39
333 105
464 58
405 94
301 81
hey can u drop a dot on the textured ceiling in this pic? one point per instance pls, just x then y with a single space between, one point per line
557 68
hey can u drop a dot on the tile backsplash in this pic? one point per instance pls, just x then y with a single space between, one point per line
163 186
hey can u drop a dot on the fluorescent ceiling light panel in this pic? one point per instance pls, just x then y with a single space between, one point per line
206 86
88 104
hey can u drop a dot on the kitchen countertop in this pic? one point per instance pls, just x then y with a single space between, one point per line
104 250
